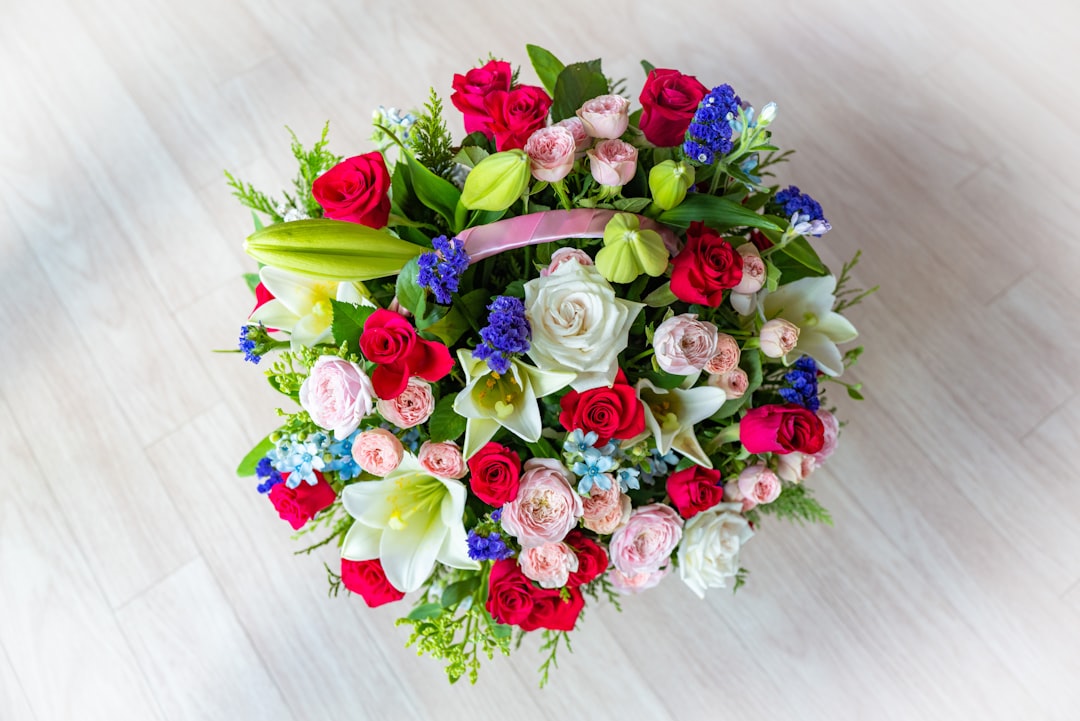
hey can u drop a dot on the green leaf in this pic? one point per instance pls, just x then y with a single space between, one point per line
349 321
546 65
853 391
662 297
800 251
252 280
445 424
576 84
632 205
717 213
772 277
426 611
663 379
649 67
436 193
409 293
457 592
251 460
331 249
751 363
258 221
470 155
457 321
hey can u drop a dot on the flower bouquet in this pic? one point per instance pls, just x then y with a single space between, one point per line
579 350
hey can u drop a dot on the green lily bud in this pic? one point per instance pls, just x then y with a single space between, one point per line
669 182
497 181
630 251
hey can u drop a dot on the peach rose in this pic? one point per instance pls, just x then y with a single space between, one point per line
546 507
734 383
758 484
549 565
606 116
582 141
612 162
754 273
414 406
637 582
684 344
377 451
442 459
551 153
645 543
778 337
604 511
337 394
832 433
794 467
562 255
734 495
726 357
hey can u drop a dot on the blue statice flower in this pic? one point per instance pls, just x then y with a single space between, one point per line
628 478
592 470
506 334
488 548
300 458
709 134
247 343
805 213
268 475
802 385
341 458
441 268
496 515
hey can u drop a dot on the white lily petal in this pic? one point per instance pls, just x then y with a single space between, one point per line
699 403
806 295
367 502
686 443
544 383
478 431
311 330
408 554
297 292
823 351
361 543
524 420
838 328
348 293
274 314
455 550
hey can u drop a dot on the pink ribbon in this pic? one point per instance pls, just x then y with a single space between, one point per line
484 241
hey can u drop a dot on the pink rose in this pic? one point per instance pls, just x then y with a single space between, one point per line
794 467
754 274
613 162
778 337
606 116
637 582
562 255
549 565
546 507
604 511
726 357
734 383
551 153
734 495
377 451
582 141
758 484
414 406
442 459
337 394
832 434
645 543
684 344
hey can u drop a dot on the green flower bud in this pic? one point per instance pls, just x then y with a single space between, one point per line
630 251
669 182
497 181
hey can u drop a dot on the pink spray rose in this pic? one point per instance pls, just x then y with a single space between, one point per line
377 451
794 467
726 357
734 383
551 153
546 507
604 511
561 256
549 565
414 406
753 270
758 484
779 337
582 141
337 394
732 494
645 543
442 459
636 582
606 116
832 431
684 344
612 162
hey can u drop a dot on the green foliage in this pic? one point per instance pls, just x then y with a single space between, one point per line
349 321
251 460
552 639
251 198
289 371
740 580
335 519
445 424
796 504
800 251
547 66
410 295
601 585
430 139
576 84
252 280
849 297
334 580
435 192
717 213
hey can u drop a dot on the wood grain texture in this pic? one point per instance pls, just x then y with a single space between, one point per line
941 139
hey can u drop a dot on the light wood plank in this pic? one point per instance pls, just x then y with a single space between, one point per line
13 703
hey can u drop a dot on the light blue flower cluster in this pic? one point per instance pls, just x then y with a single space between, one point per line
659 466
341 458
596 466
300 458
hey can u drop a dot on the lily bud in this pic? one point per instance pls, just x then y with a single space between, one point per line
497 181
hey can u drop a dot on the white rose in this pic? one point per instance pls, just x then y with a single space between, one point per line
578 324
709 552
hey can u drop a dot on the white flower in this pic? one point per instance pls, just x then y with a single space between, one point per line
301 305
578 324
670 416
709 552
808 303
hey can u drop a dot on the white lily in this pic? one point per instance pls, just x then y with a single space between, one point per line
408 520
490 400
301 305
808 303
671 414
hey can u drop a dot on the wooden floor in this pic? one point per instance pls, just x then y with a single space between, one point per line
140 580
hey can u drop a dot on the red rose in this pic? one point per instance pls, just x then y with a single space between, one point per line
368 580
299 505
355 190
705 268
494 473
473 87
510 594
516 114
669 100
391 342
550 610
694 489
781 429
592 559
614 412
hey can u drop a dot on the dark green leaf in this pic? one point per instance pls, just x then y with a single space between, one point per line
349 321
662 379
853 391
632 205
436 193
800 251
251 460
684 464
547 66
576 84
457 592
751 363
445 424
252 280
428 610
649 67
471 155
717 213
409 293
